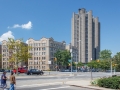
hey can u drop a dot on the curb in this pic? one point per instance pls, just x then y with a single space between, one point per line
85 87
91 87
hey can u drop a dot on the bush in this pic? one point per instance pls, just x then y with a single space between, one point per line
95 82
110 82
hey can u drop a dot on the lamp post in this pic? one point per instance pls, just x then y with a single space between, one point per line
71 59
111 67
91 70
76 63
76 57
56 63
114 70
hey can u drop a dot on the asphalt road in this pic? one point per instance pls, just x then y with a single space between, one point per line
24 80
78 76
54 87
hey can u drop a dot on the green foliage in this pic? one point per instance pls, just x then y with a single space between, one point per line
62 57
116 61
79 64
73 64
95 82
110 82
104 64
18 51
105 54
93 64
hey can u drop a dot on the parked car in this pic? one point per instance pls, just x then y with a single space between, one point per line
65 70
20 70
35 71
7 70
2 70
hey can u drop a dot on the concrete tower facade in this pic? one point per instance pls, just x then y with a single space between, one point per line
86 35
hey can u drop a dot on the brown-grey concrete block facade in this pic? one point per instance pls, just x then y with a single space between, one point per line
42 52
86 35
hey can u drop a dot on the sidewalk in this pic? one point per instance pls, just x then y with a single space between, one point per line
84 84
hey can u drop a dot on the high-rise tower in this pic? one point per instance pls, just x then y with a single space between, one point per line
86 35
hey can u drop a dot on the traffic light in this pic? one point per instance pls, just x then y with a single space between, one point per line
98 60
69 64
113 65
55 59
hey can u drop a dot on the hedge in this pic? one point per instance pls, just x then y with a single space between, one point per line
110 82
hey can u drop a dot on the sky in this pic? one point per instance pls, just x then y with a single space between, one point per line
52 18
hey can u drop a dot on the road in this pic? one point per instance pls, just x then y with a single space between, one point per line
53 81
54 87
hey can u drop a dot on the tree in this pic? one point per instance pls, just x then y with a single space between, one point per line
18 51
93 64
105 54
116 61
104 64
79 64
62 57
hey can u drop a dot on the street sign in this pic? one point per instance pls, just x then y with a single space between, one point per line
70 50
49 62
69 60
76 62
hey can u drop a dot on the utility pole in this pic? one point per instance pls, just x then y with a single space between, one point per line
71 59
91 71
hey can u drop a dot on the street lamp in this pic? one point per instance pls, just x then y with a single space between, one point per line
76 63
114 68
76 57
91 70
111 67
71 59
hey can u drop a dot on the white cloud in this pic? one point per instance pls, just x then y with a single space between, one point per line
27 26
23 26
16 26
6 35
27 41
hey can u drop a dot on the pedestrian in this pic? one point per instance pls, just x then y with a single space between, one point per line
3 80
12 81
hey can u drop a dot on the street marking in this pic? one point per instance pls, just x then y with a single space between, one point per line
55 88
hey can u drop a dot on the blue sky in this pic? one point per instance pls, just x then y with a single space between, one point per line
52 18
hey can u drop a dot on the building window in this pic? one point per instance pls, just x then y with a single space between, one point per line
30 58
43 48
39 53
39 49
43 58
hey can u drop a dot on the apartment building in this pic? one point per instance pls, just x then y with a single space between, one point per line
42 52
0 56
86 35
6 55
74 52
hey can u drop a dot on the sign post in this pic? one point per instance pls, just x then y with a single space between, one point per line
49 62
